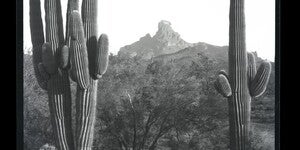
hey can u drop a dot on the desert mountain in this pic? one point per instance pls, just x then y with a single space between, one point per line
165 41
167 45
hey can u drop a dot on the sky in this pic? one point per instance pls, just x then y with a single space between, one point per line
126 21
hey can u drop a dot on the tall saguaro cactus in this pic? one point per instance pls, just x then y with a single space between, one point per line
49 76
89 59
78 56
243 82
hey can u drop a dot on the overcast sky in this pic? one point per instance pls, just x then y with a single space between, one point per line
125 21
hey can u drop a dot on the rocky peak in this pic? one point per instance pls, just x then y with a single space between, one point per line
165 33
165 41
164 26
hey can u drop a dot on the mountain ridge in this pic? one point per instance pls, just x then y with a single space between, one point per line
167 43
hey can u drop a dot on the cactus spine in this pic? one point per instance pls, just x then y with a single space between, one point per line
243 81
78 56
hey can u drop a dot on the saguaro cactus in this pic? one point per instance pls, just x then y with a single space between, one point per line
48 75
78 56
243 82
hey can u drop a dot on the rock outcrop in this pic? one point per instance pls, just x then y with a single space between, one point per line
165 41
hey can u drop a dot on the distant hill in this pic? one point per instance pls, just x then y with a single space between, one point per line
167 44
213 52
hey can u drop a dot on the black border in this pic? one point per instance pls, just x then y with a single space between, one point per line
19 74
277 72
289 63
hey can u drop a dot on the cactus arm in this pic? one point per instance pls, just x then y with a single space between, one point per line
89 21
64 57
260 82
48 58
43 72
222 85
37 39
223 72
72 5
89 18
251 67
54 25
36 24
101 62
79 56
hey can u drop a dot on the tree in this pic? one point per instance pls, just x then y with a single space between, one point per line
145 103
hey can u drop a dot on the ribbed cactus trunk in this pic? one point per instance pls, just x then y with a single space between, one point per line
239 102
243 82
78 56
60 111
87 95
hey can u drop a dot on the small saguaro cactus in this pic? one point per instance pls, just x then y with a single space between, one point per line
78 56
243 81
